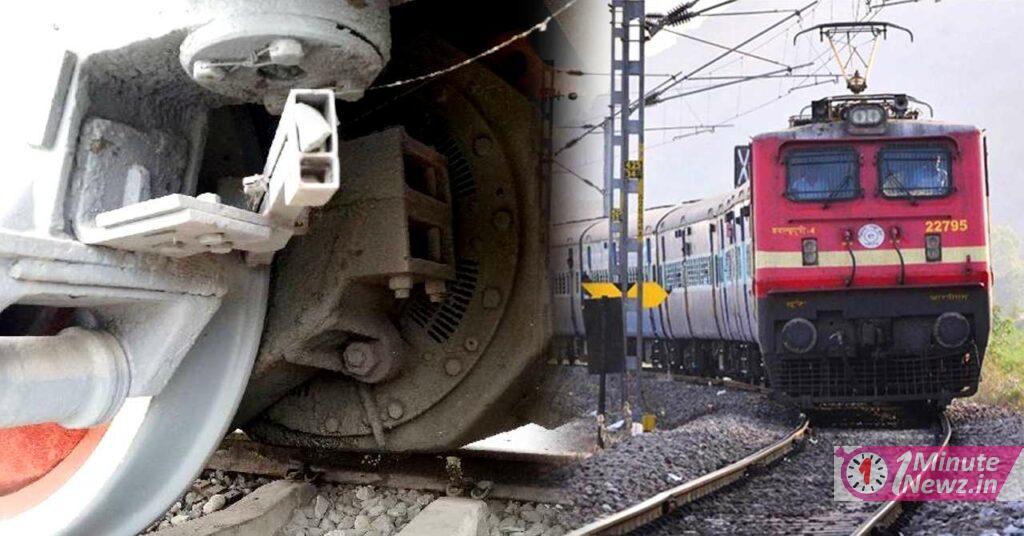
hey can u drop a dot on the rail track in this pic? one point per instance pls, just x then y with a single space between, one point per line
886 515
471 472
664 503
430 473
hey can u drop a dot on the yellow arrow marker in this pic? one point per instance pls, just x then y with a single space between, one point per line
599 289
654 294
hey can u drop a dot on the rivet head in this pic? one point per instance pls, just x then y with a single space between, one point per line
471 344
453 367
395 409
331 425
502 220
492 298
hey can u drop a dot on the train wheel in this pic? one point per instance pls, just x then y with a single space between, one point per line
115 478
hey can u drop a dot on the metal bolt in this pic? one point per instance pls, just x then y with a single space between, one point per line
331 425
435 289
492 298
395 409
402 285
502 220
355 355
482 145
359 358
453 367
471 344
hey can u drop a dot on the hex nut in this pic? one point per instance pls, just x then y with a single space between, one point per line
359 358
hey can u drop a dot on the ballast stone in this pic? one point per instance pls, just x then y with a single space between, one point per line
449 516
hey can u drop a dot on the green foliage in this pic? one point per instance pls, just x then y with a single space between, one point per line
1008 268
1003 372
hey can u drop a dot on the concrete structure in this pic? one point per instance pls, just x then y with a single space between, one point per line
449 516
263 511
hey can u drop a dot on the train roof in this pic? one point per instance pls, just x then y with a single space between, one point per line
894 128
655 218
894 115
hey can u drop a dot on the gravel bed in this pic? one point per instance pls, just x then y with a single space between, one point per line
644 465
700 428
212 491
791 496
571 392
371 511
974 424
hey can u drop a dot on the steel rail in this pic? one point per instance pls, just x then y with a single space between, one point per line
890 511
665 502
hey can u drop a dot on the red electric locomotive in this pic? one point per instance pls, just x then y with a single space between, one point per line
871 259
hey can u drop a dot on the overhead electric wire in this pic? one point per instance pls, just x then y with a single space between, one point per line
585 180
677 78
756 12
734 82
653 94
702 78
723 47
539 27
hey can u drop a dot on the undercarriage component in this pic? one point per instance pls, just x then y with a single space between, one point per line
301 172
400 184
258 51
465 357
77 378
128 126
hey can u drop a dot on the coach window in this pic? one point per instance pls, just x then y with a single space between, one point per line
822 174
914 172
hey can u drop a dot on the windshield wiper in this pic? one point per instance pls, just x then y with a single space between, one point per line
908 195
835 191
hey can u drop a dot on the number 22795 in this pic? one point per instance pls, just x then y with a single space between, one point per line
945 226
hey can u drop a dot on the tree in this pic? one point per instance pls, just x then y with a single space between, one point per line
1008 267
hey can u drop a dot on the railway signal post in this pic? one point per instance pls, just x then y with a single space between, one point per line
624 134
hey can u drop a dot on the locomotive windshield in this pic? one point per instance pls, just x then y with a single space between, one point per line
914 172
822 175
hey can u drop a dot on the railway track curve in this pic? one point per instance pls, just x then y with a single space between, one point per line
662 504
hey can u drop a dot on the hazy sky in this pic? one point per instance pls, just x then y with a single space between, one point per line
966 61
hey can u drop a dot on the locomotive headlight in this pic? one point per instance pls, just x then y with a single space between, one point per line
810 251
866 115
933 247
799 336
951 330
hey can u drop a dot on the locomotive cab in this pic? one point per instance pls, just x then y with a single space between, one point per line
872 270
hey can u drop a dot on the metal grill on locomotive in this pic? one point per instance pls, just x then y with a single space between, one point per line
853 268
